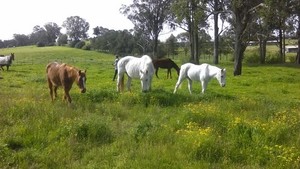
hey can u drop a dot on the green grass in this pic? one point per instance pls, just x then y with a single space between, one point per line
253 122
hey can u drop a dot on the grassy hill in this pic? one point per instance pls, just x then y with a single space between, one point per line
253 122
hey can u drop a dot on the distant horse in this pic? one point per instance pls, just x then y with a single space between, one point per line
136 68
64 75
202 73
6 60
165 64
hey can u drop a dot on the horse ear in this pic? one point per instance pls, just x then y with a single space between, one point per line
79 72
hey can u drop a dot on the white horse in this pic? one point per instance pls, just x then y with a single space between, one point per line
202 73
136 68
6 61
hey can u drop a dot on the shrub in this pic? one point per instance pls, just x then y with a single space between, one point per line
86 47
292 58
40 44
73 43
273 58
79 44
252 57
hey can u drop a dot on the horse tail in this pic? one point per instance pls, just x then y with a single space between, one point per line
121 83
47 67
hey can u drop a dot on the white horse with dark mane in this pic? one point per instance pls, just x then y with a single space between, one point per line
136 68
202 73
6 60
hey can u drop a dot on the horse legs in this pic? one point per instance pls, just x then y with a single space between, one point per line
55 91
120 82
51 89
204 85
190 84
67 95
129 83
170 73
156 71
180 79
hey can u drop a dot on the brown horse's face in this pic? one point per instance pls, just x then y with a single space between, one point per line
81 81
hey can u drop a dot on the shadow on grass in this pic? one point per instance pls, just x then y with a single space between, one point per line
165 99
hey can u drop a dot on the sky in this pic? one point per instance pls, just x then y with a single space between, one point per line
20 16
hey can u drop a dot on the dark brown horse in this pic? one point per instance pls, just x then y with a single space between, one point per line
64 75
165 64
6 60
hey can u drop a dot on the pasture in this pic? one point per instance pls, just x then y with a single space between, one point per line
253 122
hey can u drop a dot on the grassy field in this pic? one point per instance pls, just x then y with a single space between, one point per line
253 122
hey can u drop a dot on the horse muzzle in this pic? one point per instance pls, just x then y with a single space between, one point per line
83 90
223 85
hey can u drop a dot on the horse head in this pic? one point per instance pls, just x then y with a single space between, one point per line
221 76
145 77
81 79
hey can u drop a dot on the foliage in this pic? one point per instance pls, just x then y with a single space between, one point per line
40 44
115 42
79 44
76 28
62 40
53 31
148 17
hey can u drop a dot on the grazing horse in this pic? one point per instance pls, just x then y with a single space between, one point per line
136 68
202 73
64 75
6 60
165 64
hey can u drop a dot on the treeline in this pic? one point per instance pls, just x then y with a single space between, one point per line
242 21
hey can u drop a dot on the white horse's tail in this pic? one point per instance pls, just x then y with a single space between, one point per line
121 84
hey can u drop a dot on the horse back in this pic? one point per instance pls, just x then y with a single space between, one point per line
60 74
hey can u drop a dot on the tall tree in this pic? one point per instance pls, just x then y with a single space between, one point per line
295 10
172 46
21 39
76 28
216 8
148 16
242 13
53 31
190 16
39 35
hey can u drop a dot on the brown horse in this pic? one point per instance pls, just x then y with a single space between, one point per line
64 75
165 64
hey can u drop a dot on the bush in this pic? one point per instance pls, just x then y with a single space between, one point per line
273 59
79 44
292 58
40 44
86 47
73 43
253 57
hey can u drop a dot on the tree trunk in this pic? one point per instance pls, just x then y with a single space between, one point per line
238 57
298 37
196 47
262 50
239 49
280 45
216 33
